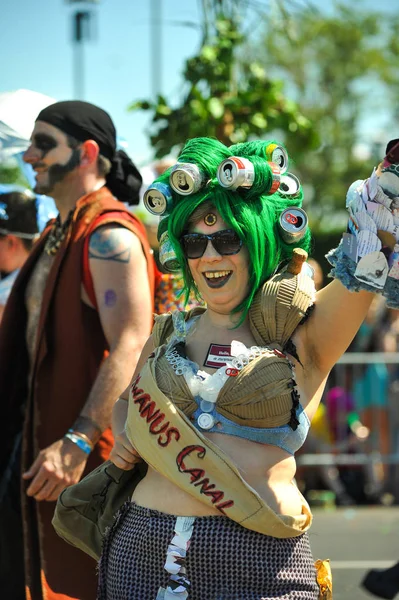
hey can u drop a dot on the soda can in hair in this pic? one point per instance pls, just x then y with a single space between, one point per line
158 198
167 255
186 178
276 178
277 154
289 185
235 172
162 225
293 224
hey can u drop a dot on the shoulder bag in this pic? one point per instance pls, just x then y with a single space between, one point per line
85 511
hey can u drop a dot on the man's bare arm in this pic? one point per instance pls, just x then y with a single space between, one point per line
119 271
123 454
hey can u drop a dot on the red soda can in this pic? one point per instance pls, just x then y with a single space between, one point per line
235 172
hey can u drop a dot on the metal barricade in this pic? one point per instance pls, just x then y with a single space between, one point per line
362 391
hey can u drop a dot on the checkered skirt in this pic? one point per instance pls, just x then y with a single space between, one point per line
224 561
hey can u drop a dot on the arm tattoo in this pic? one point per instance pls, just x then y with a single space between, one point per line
110 298
110 244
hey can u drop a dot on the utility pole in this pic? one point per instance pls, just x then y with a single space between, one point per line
82 30
156 47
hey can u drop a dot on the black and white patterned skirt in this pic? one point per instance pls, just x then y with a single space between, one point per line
221 561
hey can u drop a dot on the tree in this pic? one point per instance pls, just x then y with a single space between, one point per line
340 67
11 174
225 95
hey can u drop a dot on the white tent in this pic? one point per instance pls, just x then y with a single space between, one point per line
18 111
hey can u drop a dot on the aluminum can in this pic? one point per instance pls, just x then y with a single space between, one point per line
276 178
289 185
293 224
235 172
167 255
158 198
186 178
278 155
162 226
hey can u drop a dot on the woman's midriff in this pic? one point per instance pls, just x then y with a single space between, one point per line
267 469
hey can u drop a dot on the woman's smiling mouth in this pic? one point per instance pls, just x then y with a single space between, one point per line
217 279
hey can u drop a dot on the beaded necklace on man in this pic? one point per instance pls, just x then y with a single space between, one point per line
57 234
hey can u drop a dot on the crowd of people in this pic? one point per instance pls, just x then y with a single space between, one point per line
358 415
214 397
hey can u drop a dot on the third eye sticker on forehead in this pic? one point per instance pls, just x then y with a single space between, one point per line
217 356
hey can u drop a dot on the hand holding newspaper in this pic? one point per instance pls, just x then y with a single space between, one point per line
368 255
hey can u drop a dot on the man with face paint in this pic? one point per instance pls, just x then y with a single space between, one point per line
78 315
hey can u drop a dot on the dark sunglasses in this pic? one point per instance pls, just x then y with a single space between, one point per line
225 242
392 152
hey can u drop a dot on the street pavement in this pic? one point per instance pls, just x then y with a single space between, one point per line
355 540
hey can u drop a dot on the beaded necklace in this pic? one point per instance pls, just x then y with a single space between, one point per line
57 234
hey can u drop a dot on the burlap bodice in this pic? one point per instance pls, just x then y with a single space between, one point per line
261 394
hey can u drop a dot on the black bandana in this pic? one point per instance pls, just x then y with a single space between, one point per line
85 121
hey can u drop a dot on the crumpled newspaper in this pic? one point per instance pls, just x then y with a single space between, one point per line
368 255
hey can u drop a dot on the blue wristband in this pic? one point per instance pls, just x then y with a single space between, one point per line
79 442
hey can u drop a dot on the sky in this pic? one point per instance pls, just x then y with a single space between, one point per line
118 65
117 62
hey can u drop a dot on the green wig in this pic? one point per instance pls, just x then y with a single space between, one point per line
251 212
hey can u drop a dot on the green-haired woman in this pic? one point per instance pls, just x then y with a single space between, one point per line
223 397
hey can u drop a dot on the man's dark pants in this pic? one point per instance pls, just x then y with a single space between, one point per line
12 576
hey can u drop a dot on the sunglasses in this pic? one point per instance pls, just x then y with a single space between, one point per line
226 242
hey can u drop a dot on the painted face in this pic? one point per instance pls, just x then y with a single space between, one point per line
223 281
50 156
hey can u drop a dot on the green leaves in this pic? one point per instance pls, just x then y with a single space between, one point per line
258 120
341 70
140 105
208 54
10 173
228 96
257 71
216 108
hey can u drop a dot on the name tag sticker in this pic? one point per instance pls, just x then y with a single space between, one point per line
217 356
